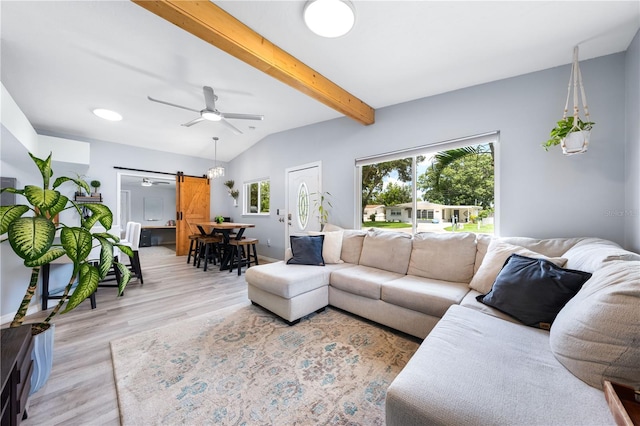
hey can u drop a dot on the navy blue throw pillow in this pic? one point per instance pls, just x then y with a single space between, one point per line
533 291
306 250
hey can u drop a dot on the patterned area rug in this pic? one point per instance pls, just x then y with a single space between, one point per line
250 368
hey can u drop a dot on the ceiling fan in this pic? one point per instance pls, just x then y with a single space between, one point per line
210 112
149 182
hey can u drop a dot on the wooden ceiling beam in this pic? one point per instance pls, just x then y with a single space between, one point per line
215 26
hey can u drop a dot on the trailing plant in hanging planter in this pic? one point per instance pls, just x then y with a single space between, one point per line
31 229
572 133
565 127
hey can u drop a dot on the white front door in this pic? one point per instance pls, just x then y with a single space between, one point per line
303 189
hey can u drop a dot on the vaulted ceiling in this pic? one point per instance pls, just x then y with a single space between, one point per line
61 59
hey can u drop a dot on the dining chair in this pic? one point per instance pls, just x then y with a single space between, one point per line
242 251
209 249
193 242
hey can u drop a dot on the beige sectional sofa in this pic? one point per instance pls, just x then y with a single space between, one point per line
476 365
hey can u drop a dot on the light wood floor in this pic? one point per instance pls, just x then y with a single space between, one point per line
81 389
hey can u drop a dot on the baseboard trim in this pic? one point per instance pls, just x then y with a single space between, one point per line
7 318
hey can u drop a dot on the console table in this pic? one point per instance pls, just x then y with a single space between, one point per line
15 372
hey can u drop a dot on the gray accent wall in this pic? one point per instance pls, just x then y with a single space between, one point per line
632 154
541 194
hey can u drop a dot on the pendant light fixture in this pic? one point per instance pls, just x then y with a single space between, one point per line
329 18
216 171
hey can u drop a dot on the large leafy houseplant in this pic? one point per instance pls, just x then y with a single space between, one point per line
31 231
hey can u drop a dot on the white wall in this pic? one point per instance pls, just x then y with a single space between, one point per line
542 194
632 155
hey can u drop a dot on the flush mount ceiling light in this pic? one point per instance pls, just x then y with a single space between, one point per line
329 18
216 171
107 114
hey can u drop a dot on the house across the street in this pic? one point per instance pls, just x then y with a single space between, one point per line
427 211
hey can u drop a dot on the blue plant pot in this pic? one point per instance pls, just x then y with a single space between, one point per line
42 356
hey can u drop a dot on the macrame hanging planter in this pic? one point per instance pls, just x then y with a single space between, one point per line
577 140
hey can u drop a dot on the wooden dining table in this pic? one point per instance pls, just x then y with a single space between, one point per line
225 229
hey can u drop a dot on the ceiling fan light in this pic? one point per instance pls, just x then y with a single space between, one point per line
146 182
107 114
329 18
211 115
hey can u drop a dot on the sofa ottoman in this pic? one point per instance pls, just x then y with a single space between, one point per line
290 291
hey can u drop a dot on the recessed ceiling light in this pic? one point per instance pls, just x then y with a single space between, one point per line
107 114
329 18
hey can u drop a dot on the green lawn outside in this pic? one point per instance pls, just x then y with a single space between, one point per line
386 225
473 227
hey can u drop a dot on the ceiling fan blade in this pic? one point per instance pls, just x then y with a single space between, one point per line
233 128
173 105
242 116
209 98
192 122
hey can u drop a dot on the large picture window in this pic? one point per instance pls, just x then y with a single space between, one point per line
444 187
256 197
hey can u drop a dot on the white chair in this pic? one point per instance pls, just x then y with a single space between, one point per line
133 242
127 234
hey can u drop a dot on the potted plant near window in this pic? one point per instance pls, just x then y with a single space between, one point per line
322 204
31 230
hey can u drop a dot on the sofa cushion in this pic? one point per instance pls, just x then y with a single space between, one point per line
331 246
429 296
474 369
533 290
590 253
494 260
482 245
386 250
443 256
596 335
330 227
352 245
362 280
550 247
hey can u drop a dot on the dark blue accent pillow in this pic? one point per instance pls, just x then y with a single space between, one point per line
306 250
533 291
